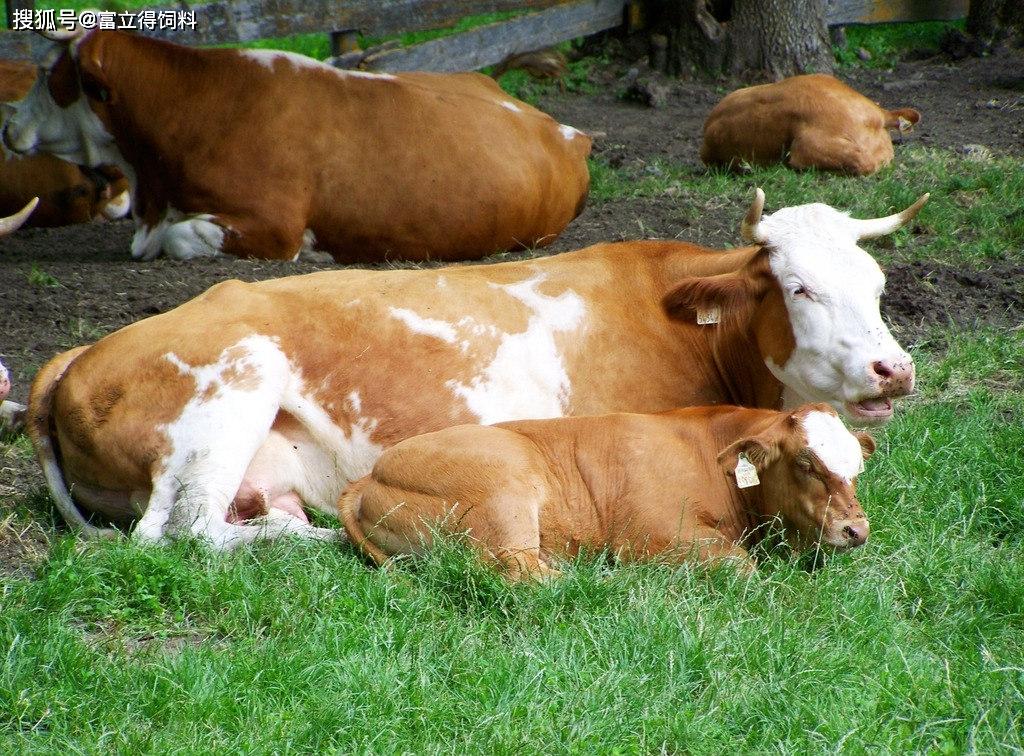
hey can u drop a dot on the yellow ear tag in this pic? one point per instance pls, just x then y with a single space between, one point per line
709 316
746 473
905 125
861 466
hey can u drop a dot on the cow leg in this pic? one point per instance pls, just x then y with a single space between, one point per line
12 415
713 547
275 524
180 238
817 149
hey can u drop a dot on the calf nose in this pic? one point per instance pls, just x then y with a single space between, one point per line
856 532
894 377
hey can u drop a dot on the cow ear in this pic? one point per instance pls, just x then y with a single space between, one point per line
867 443
759 451
726 291
91 74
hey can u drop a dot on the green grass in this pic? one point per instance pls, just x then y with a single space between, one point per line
888 43
976 211
913 643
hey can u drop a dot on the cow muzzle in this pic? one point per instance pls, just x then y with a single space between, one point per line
848 534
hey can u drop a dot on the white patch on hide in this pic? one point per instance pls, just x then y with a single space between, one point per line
834 445
527 376
426 326
267 59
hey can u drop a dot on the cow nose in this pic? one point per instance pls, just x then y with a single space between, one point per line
894 377
856 533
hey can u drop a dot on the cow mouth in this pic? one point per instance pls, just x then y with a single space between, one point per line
876 409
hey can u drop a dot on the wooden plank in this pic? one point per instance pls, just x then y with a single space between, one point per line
847 12
490 44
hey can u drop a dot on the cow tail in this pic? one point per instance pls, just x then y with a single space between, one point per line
40 431
348 505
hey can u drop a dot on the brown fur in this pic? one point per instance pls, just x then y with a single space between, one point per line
420 166
805 121
67 194
337 329
642 486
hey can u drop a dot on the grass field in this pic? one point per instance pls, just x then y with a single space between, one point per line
913 643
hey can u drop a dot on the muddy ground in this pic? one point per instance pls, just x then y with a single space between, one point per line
63 287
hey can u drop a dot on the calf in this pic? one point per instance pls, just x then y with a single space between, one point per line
812 121
699 482
259 153
67 193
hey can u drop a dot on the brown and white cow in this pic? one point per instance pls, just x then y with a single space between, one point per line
811 121
263 397
67 193
701 482
256 152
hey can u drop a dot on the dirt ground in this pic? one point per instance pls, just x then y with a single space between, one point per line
63 287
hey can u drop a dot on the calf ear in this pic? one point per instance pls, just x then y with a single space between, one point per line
727 291
867 443
758 451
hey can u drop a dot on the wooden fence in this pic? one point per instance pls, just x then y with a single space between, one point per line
546 22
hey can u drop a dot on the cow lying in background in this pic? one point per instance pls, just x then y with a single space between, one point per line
688 483
263 397
255 152
67 193
812 121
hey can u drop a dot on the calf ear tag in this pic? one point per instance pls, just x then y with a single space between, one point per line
710 316
905 125
746 473
861 466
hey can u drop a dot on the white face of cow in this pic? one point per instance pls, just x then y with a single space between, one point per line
843 354
55 116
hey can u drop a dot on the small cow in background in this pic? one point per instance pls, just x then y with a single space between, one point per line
67 193
812 121
12 414
260 153
699 482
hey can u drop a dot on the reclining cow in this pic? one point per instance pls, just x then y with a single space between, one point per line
67 193
698 483
257 153
12 414
811 121
265 397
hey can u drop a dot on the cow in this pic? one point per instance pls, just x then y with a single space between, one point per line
255 399
67 193
259 153
810 121
701 482
12 414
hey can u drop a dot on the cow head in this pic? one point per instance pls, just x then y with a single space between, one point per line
816 296
807 463
64 113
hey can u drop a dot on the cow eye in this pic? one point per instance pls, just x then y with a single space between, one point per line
94 90
801 291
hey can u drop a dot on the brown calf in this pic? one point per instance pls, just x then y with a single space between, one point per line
67 193
804 121
698 482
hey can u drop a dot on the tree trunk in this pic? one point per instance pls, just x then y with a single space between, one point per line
989 23
773 38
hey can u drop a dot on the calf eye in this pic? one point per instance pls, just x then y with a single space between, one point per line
801 291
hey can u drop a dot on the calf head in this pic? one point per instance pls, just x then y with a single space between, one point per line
66 113
808 463
815 297
5 382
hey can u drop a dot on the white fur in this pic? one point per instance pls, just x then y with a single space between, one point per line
118 207
568 132
833 444
839 331
267 59
508 105
527 376
180 236
427 326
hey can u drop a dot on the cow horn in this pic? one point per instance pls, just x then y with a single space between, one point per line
62 35
750 228
12 223
872 227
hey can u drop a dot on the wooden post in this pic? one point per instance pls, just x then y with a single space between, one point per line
344 41
13 5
